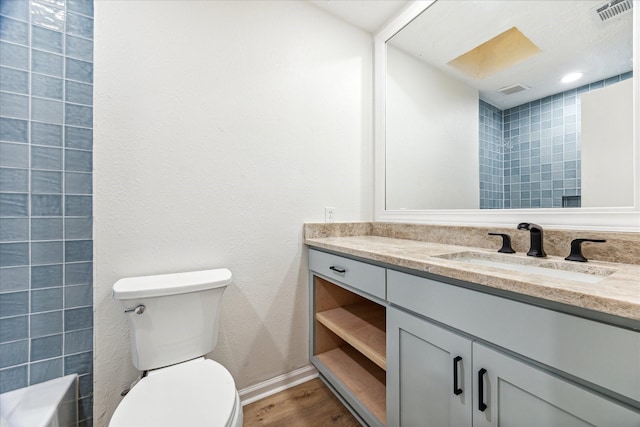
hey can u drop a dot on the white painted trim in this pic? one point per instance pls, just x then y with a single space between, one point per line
625 219
274 385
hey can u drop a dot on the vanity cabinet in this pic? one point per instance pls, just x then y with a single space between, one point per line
429 373
439 375
401 349
348 325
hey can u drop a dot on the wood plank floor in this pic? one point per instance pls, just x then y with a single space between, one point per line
309 404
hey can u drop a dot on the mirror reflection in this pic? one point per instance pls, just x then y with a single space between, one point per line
478 117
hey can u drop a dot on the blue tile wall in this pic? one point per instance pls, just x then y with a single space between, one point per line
46 143
533 159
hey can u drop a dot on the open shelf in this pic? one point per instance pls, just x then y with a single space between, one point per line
361 376
362 326
349 339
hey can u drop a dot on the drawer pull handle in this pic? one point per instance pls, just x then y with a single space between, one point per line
456 390
481 405
338 269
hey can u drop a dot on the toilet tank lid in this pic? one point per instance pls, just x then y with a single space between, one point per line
170 284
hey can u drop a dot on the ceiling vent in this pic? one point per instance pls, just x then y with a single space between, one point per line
612 9
510 90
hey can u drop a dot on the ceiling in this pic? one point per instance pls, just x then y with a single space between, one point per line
567 31
369 15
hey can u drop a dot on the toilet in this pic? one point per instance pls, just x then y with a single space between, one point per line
173 323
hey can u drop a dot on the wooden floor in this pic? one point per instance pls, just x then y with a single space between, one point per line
308 404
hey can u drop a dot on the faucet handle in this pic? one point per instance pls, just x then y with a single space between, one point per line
506 243
576 249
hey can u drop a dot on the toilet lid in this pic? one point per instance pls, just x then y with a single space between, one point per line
200 392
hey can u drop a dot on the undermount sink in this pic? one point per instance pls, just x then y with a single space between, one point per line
540 266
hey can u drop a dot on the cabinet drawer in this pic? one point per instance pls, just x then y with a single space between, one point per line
364 277
598 353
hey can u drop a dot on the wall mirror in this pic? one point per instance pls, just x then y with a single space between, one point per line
475 126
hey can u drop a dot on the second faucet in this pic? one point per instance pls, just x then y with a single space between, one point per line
537 246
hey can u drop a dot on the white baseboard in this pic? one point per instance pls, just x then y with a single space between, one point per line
277 384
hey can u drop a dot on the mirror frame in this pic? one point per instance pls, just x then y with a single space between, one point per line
626 219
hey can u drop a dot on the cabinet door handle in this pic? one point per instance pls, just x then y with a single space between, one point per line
456 390
481 405
338 269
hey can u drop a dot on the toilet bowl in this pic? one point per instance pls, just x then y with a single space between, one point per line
173 322
199 392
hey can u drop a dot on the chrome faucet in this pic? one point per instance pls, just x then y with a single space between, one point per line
537 247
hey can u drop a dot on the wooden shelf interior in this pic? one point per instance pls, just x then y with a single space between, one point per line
362 377
362 326
350 340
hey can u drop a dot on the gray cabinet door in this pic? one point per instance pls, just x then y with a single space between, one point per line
421 361
519 395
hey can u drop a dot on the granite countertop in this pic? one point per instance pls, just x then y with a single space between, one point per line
617 291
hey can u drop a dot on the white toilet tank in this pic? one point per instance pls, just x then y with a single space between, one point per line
179 317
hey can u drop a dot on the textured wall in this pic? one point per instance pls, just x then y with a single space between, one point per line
46 120
221 127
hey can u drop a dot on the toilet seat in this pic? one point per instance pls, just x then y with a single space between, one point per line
199 392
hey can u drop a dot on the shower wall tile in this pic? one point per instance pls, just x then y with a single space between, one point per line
14 180
81 363
78 138
46 182
44 39
46 158
14 254
14 105
14 155
46 86
541 150
46 276
46 110
14 328
79 48
12 204
14 304
78 341
78 273
46 205
46 300
14 31
15 9
46 229
11 80
79 93
14 353
14 229
79 25
78 228
78 318
46 63
13 378
78 161
46 347
47 15
44 324
46 253
14 130
78 183
46 142
14 279
45 370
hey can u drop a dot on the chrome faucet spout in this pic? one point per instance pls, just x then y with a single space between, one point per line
537 246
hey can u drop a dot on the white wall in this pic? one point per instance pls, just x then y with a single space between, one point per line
220 128
607 145
431 138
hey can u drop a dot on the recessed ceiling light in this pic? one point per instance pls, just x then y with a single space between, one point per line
571 77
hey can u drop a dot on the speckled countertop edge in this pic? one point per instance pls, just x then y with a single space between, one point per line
617 294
